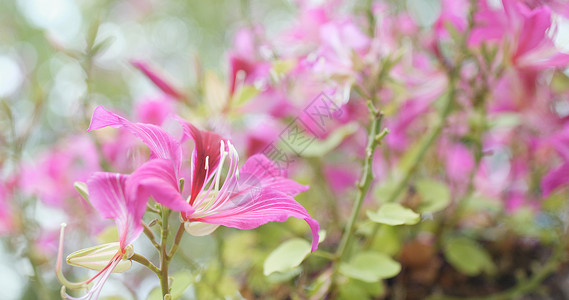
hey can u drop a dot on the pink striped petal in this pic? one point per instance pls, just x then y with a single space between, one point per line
261 171
205 157
107 195
555 179
157 178
251 210
161 144
157 79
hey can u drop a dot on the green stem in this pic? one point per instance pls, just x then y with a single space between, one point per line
163 253
177 239
145 262
363 187
427 142
148 232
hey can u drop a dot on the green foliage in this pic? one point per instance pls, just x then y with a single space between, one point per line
370 267
468 257
394 214
435 195
287 256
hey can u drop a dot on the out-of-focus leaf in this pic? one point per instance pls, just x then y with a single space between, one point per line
370 267
505 120
435 195
350 291
215 92
560 82
287 256
278 277
180 282
468 257
280 68
244 94
321 236
319 148
394 214
387 240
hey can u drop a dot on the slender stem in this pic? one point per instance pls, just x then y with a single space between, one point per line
148 232
163 254
177 239
145 262
363 187
427 142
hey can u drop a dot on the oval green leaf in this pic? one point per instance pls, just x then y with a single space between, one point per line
394 214
287 256
370 267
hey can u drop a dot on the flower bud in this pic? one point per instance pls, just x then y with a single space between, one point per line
98 257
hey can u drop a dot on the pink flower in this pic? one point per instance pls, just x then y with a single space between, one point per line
107 193
523 31
249 197
244 65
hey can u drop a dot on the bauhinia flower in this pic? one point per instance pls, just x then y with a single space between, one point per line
248 197
120 197
107 195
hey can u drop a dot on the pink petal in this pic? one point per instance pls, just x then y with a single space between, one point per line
255 209
206 150
534 29
161 144
107 195
260 171
157 79
555 178
157 178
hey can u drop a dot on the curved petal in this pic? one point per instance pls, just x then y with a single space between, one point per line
260 171
157 79
157 178
251 210
206 156
161 144
107 194
555 178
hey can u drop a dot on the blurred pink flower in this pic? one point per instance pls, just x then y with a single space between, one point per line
51 177
524 32
245 65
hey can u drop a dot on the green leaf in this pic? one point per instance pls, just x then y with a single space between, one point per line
468 257
319 148
180 282
394 214
370 267
435 195
244 94
287 256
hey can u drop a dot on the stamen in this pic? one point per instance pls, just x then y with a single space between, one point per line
59 274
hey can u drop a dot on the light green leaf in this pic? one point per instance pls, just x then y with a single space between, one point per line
370 267
244 94
394 214
468 257
435 195
319 148
287 256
